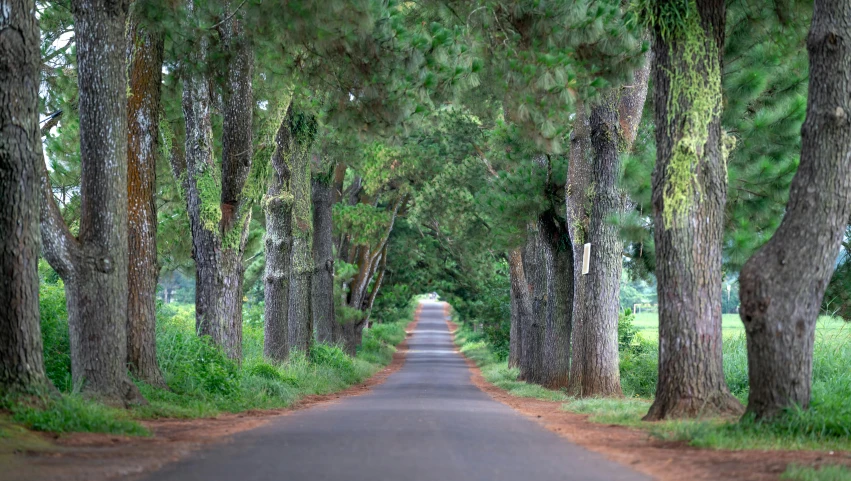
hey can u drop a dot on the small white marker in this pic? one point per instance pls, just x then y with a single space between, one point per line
586 258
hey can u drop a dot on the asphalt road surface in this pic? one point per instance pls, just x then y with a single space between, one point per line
427 422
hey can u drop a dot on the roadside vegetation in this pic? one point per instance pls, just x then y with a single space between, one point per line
202 381
825 426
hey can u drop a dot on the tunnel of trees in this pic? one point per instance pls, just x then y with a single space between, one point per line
311 166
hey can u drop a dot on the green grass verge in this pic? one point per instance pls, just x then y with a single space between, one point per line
825 426
824 473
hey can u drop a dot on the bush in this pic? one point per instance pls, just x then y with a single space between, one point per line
628 336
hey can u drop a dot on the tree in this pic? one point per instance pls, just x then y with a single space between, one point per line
145 58
689 192
322 189
538 272
94 264
523 309
783 284
277 205
302 127
611 129
21 357
218 200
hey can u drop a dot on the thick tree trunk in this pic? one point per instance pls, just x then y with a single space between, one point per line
783 284
202 189
219 213
303 130
94 266
323 258
237 154
689 193
578 223
278 207
145 55
21 358
515 334
611 128
523 303
559 326
537 272
597 313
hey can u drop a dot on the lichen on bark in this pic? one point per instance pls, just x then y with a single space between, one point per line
693 101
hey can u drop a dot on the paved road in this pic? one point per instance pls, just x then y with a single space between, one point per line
427 422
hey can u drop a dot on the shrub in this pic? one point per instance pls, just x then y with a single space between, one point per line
628 336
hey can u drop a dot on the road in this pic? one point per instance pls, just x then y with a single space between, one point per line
427 422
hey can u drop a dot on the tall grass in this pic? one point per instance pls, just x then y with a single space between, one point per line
825 425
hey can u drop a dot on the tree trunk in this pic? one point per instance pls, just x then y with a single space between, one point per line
515 335
278 207
559 326
523 303
578 223
94 266
303 131
611 128
536 272
145 55
379 278
323 257
597 313
202 189
21 357
783 284
219 212
689 193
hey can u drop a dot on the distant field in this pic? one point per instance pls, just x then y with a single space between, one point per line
731 325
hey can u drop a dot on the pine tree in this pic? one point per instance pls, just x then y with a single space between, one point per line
783 284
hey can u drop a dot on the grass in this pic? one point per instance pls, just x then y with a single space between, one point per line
71 413
731 325
202 381
825 426
824 473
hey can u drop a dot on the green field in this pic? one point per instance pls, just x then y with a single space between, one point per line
731 324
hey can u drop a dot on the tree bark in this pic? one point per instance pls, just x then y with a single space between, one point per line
515 334
578 223
559 326
689 193
537 269
323 258
303 130
219 212
94 266
278 207
612 127
145 55
523 303
201 185
21 357
783 284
